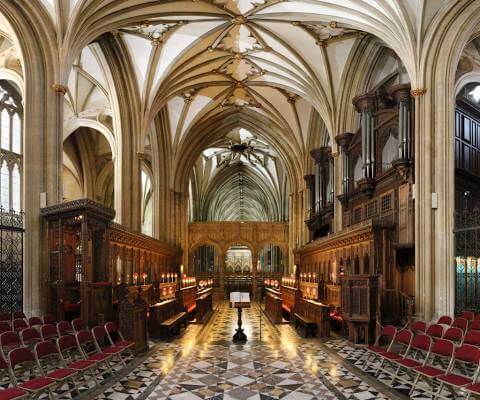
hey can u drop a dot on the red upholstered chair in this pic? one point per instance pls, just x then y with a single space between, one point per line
475 325
78 325
19 315
49 319
49 332
8 341
12 394
388 334
461 323
24 359
35 321
402 342
472 337
441 350
5 316
86 342
421 345
116 338
445 320
418 327
5 326
52 365
435 331
73 357
19 324
468 315
453 334
64 328
30 336
103 344
465 354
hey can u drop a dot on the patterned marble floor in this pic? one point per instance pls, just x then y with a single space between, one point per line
275 363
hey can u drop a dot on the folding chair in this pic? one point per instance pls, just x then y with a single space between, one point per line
465 354
30 336
421 345
442 349
5 316
435 331
445 320
78 325
51 365
8 341
461 323
12 394
475 325
114 333
453 334
74 358
403 340
19 315
5 326
418 327
468 315
86 344
25 359
100 338
64 328
472 337
49 332
388 332
35 321
49 319
19 324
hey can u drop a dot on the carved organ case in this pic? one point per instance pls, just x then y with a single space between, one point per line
78 252
377 235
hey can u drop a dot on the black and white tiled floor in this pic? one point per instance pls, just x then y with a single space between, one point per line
275 363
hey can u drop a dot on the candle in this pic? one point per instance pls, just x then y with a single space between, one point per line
144 276
135 277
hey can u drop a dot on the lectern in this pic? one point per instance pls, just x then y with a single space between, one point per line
240 301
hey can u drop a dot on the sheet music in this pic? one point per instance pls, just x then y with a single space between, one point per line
239 297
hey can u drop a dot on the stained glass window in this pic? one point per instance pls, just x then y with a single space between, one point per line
11 133
5 186
5 130
16 189
16 134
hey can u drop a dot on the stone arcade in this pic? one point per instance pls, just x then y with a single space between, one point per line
159 157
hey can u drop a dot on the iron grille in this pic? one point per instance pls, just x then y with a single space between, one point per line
467 260
11 260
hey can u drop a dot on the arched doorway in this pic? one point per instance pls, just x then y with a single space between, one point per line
238 269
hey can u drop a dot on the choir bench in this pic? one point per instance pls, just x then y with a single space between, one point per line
307 323
173 324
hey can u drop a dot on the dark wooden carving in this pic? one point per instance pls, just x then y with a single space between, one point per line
132 320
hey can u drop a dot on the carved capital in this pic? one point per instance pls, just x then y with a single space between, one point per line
418 92
59 88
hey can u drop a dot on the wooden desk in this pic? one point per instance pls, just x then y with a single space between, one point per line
186 298
160 312
204 306
288 295
273 307
318 312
